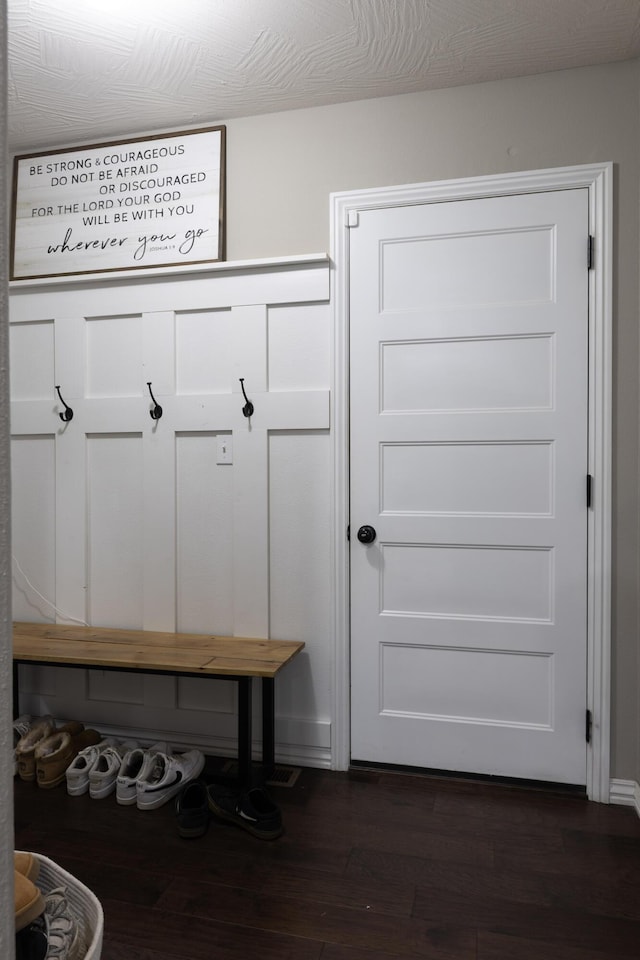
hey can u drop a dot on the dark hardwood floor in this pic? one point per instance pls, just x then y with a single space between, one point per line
372 866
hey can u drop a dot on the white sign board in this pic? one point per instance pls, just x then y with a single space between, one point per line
128 205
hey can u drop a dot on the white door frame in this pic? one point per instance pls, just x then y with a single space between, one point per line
598 179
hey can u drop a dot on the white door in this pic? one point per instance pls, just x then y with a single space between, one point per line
468 394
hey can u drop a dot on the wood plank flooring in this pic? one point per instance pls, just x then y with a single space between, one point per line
372 866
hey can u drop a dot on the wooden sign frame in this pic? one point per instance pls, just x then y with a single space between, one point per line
156 201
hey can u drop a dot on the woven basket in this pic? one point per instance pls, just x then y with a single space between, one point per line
85 905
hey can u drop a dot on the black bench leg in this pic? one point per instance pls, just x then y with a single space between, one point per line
268 726
244 732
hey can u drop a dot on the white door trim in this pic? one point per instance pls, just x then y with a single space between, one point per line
598 179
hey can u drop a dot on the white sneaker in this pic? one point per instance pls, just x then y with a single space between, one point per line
135 764
166 776
62 927
77 773
104 773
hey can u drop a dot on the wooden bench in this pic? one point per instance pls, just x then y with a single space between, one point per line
179 654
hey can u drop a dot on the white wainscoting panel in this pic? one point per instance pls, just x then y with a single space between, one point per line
114 531
204 543
114 356
124 520
299 542
203 351
33 531
298 347
31 360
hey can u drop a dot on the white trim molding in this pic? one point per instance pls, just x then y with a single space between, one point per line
598 180
625 793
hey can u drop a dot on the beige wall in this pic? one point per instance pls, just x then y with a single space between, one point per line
282 168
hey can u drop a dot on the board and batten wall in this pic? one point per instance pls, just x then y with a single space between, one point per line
125 521
280 206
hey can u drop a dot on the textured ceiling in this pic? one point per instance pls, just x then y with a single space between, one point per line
88 70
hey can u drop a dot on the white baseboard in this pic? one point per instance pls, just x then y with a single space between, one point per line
299 741
303 755
625 793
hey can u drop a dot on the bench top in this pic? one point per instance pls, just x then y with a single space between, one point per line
96 647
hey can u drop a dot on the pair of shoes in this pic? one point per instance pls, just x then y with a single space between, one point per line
253 810
30 905
37 734
77 773
192 809
103 776
56 753
31 942
96 768
56 929
46 925
165 775
21 726
24 749
135 766
26 864
29 902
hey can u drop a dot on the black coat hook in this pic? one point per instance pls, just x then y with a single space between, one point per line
248 407
68 412
156 413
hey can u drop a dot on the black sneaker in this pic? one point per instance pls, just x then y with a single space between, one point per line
192 809
32 942
254 810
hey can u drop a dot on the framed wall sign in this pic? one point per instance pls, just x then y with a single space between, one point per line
126 205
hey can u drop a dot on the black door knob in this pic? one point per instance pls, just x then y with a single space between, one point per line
366 534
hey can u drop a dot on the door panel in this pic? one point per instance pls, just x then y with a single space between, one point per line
468 429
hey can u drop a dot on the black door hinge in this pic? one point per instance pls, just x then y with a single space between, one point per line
590 253
349 532
588 726
589 489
